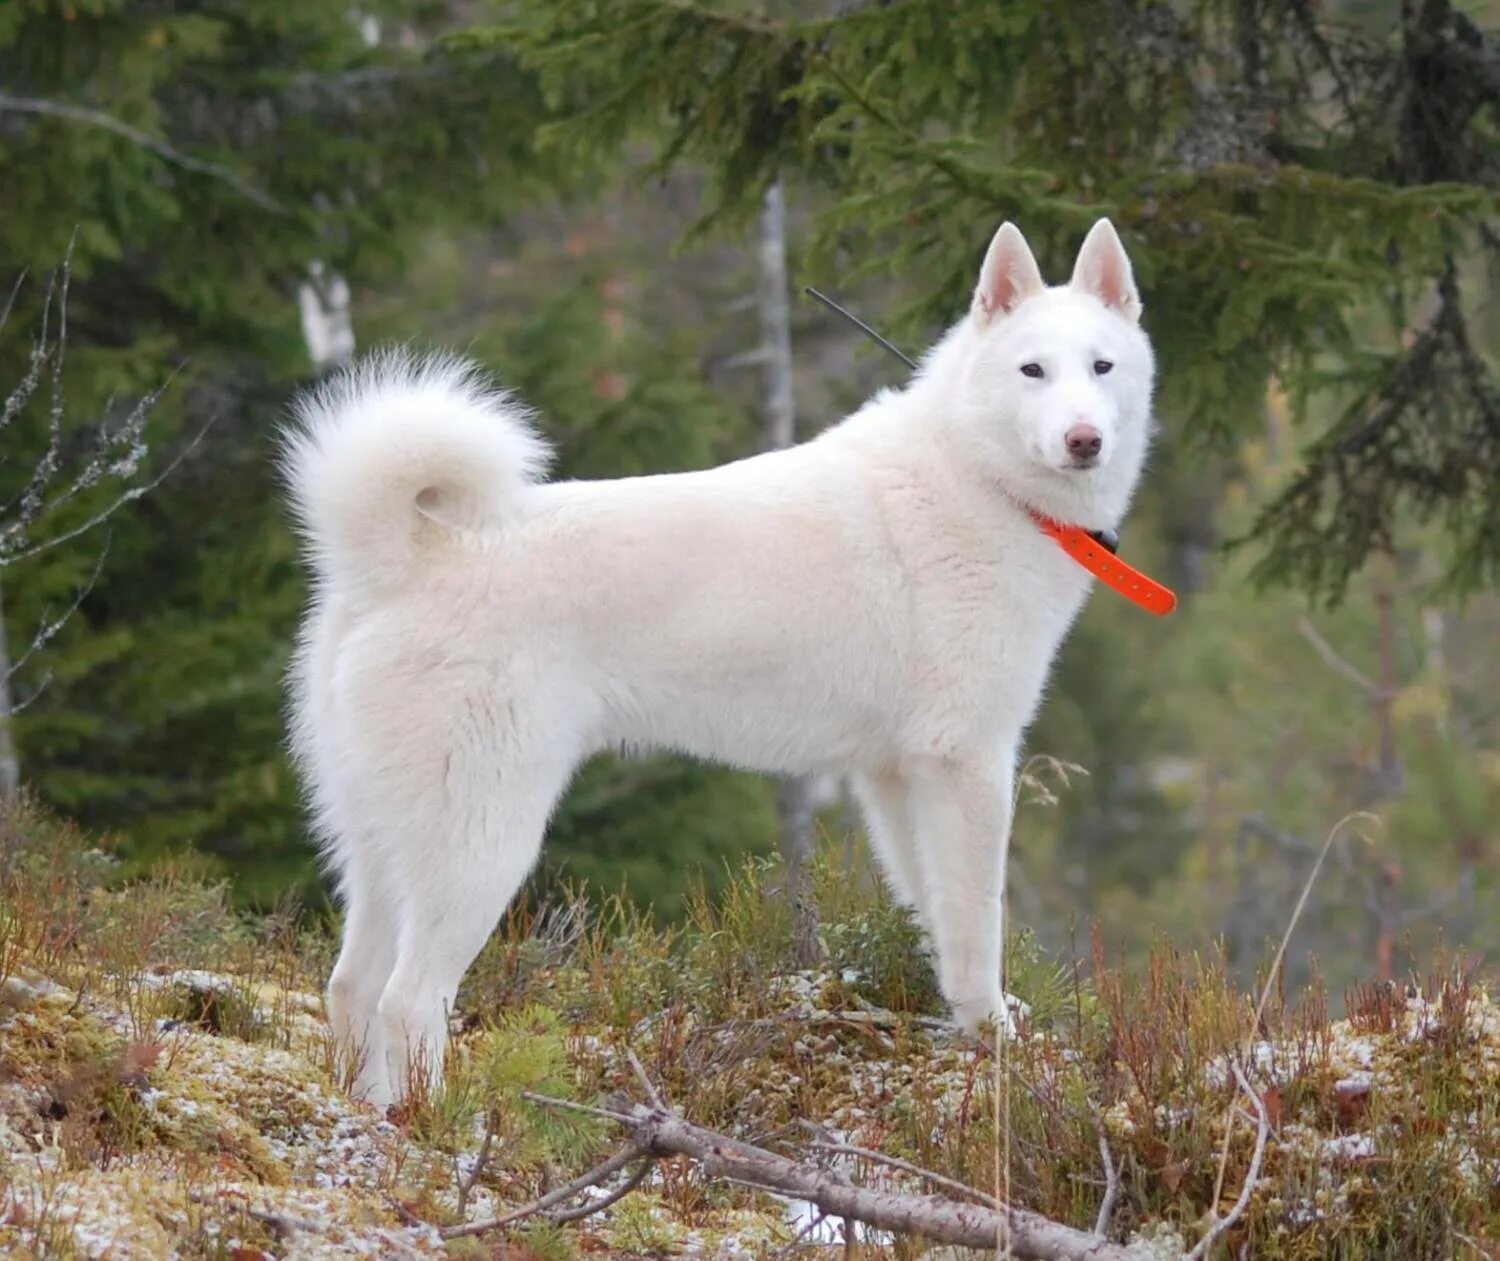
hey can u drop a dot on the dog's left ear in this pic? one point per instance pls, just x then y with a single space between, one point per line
1103 270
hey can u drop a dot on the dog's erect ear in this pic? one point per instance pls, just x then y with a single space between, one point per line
1103 270
1008 276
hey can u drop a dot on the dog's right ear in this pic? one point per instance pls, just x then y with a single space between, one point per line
1008 276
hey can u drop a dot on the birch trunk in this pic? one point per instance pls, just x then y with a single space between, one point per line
323 300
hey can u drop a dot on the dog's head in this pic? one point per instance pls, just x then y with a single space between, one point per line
1055 387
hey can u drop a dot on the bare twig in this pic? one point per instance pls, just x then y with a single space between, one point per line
10 302
118 449
1111 1179
633 1151
895 1162
791 1246
31 379
38 689
1334 662
599 1205
104 514
282 1224
141 139
1252 1175
118 452
467 1184
1286 937
48 629
646 1085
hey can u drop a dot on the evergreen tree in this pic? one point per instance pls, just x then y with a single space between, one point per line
203 157
1280 171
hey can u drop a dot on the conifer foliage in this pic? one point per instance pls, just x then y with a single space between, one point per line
1276 165
195 161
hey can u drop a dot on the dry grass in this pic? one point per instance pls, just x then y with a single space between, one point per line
165 1083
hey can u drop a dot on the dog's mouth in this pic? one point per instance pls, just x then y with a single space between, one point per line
1081 464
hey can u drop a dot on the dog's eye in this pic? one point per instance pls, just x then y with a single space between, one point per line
1032 370
1101 366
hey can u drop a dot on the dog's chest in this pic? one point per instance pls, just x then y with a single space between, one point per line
988 621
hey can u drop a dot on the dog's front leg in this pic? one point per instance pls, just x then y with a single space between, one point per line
962 814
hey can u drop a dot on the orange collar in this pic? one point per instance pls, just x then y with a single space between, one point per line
1094 554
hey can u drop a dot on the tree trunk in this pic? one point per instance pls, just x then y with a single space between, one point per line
10 762
323 299
1390 776
795 808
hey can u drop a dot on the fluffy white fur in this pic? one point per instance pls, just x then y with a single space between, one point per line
876 603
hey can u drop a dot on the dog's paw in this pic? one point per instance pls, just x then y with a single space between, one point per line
1003 1013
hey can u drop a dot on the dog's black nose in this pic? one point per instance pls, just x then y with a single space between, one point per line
1084 441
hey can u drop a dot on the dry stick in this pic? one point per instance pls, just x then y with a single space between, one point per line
1265 993
802 1234
1030 1235
596 1175
281 1224
598 1206
47 630
404 1213
1111 1178
895 1162
1334 662
1252 1175
466 1185
640 1073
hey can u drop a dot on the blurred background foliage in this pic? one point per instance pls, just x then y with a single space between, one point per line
569 192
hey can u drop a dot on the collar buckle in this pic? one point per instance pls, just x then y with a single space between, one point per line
1109 540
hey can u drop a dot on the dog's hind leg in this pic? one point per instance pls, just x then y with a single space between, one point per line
460 880
366 957
888 820
963 817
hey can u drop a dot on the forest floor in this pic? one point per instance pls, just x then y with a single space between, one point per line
167 1086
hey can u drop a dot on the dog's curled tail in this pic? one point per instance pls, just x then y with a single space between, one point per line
397 456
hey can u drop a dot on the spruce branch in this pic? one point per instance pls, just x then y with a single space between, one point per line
143 140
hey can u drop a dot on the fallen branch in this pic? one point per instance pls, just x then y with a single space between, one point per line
1025 1235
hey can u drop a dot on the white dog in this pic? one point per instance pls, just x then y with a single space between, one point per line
879 603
